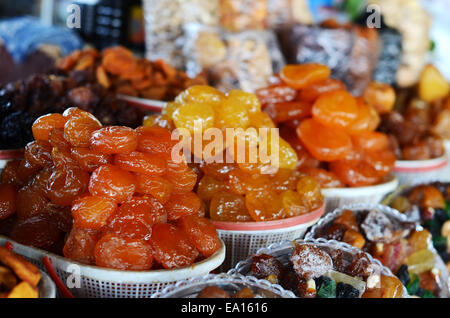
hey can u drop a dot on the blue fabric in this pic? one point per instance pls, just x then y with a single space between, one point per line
315 5
24 35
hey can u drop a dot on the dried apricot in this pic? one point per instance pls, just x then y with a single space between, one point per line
326 179
45 124
36 231
181 176
79 128
202 233
113 140
355 174
182 204
194 115
367 119
91 212
264 206
145 163
9 173
303 75
39 152
322 142
114 251
80 245
208 187
311 92
112 182
172 247
158 187
228 207
380 96
30 202
336 109
155 140
7 200
285 111
370 141
66 184
276 94
88 159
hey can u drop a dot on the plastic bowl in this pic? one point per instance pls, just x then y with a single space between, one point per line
46 286
409 171
190 288
246 238
396 217
282 251
98 282
337 197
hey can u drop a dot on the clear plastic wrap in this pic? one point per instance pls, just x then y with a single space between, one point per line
190 288
164 20
398 220
240 15
287 12
244 60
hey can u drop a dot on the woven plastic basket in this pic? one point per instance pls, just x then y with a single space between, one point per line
337 197
97 282
392 214
245 238
409 171
47 288
190 288
282 251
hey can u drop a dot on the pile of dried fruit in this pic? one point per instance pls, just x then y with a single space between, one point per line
317 272
421 118
118 70
131 206
18 277
332 132
240 191
398 245
24 101
433 203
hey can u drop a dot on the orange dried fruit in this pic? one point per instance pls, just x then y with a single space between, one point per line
88 159
172 247
90 212
80 245
182 204
155 140
114 251
66 184
370 141
79 127
45 124
324 143
158 187
202 233
114 140
145 163
228 207
39 152
7 200
311 92
355 174
336 109
303 75
109 181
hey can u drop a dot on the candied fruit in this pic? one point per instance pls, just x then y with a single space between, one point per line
114 140
112 182
182 204
80 245
301 76
336 109
7 200
90 212
171 246
114 251
45 124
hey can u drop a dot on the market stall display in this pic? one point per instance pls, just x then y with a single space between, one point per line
402 246
322 269
429 204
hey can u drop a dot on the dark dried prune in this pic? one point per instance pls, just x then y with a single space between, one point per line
346 291
265 265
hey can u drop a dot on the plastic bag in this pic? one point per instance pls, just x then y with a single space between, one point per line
244 60
164 20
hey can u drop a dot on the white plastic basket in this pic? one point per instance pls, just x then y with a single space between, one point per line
337 197
245 238
282 251
392 214
46 286
190 288
97 282
410 171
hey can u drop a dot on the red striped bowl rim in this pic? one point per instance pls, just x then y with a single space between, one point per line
11 154
144 103
271 225
420 165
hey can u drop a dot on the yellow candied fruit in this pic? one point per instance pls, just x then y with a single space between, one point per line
260 120
232 114
187 115
250 101
201 94
293 204
170 108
